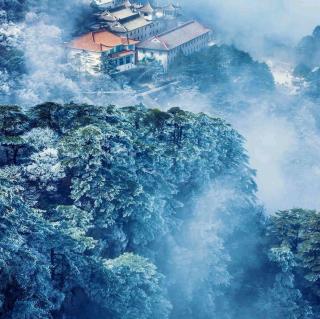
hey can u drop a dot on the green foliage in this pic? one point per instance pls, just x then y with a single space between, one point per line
26 286
13 122
297 232
136 293
227 68
307 54
86 186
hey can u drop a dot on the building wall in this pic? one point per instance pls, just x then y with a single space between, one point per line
147 31
124 63
168 57
190 47
125 67
91 62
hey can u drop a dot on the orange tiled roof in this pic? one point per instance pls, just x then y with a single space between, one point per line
99 41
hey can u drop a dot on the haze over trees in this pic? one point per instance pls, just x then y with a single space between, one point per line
97 204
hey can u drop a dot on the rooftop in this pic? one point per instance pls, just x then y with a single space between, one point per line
147 8
99 41
103 2
124 13
175 37
134 24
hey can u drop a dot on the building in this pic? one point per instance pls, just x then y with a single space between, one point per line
137 28
103 4
148 12
168 11
187 38
136 21
94 51
106 4
129 21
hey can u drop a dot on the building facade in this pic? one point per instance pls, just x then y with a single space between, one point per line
185 39
95 51
107 4
136 21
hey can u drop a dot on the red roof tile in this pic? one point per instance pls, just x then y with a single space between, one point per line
99 41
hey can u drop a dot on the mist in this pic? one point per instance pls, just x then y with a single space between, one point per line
258 26
214 251
281 130
275 137
42 36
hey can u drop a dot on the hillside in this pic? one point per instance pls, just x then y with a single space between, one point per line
87 193
306 70
224 67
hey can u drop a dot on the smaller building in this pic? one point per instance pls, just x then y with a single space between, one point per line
106 4
137 28
169 11
95 51
103 4
185 39
136 21
148 12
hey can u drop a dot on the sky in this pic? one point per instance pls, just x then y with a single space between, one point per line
247 23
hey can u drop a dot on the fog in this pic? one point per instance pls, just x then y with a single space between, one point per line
50 76
281 131
253 25
264 28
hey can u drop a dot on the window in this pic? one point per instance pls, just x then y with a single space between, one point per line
121 62
128 59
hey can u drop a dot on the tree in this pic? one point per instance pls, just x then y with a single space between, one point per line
298 231
98 189
13 123
26 288
134 289
284 300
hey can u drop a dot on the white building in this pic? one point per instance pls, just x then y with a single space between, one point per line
136 21
107 4
93 51
187 38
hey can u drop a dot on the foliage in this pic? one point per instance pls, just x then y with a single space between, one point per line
136 293
226 68
297 232
88 189
307 54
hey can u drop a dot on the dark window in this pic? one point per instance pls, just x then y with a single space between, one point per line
128 59
121 61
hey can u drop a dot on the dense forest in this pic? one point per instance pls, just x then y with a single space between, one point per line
99 209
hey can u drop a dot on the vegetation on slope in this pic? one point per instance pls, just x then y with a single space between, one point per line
100 217
85 190
225 67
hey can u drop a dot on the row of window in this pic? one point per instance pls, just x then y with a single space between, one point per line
124 60
142 33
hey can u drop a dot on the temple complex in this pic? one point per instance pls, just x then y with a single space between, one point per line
128 33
